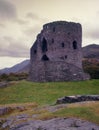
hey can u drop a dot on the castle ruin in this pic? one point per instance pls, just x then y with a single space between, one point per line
56 54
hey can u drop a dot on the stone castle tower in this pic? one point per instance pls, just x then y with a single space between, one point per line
56 54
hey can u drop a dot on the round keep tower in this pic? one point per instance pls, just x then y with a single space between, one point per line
56 54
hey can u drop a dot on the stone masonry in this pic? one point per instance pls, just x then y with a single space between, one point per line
56 54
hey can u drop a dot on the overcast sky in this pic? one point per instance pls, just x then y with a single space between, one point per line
22 20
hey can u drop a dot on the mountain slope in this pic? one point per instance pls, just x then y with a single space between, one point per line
91 51
16 68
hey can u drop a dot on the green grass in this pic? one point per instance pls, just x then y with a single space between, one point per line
45 93
39 94
86 113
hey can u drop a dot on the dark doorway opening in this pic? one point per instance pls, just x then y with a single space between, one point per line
44 45
63 45
35 51
74 45
45 58
65 56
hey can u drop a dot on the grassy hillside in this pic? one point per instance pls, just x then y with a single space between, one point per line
45 93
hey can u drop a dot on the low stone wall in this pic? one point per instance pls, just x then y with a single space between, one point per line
77 98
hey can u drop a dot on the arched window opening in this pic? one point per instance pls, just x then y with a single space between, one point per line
44 45
63 45
74 45
65 56
35 51
45 58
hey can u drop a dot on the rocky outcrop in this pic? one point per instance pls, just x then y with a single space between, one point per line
24 121
7 110
57 124
77 98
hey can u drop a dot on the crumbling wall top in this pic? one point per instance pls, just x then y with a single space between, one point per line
63 23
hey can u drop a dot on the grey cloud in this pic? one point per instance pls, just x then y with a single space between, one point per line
36 17
12 53
8 38
92 33
91 30
32 16
32 30
13 48
18 50
2 25
7 10
21 21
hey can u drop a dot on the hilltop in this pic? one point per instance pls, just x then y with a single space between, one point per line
91 51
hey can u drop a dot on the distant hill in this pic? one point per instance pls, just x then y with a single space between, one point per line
21 67
91 60
91 51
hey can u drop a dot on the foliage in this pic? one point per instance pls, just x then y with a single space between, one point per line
13 76
89 112
91 66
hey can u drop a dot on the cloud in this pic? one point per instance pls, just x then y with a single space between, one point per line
30 31
91 31
21 21
7 10
32 16
35 17
2 25
94 34
13 48
8 38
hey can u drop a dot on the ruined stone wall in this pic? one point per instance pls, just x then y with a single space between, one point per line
56 71
56 54
60 38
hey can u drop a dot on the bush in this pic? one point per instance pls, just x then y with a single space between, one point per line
13 76
93 71
3 77
91 67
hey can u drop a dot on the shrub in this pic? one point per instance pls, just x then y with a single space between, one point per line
91 67
13 76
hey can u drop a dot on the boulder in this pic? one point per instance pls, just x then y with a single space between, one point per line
77 98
